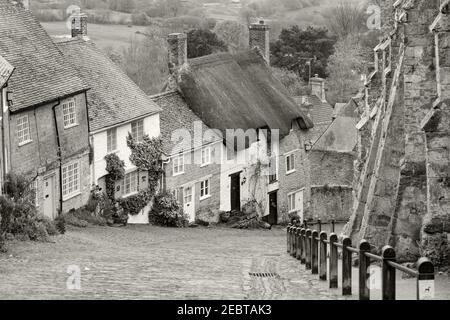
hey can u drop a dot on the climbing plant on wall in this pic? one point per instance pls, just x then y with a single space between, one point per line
146 156
116 172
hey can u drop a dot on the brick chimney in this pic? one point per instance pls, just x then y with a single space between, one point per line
259 37
318 87
79 25
177 50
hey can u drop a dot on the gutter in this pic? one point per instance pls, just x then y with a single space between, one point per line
58 142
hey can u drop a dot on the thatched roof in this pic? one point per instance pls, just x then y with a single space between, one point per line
239 92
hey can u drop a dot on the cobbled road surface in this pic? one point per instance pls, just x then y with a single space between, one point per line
146 262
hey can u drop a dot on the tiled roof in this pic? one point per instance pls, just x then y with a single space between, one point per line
239 92
42 74
319 112
114 98
5 71
341 136
176 115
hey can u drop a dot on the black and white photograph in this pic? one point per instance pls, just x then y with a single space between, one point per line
241 152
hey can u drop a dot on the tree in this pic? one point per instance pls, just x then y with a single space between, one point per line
295 85
296 46
346 18
345 68
147 55
202 42
233 34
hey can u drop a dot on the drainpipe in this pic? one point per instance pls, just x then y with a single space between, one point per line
58 142
3 92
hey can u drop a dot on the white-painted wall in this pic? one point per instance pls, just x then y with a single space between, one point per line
99 143
245 162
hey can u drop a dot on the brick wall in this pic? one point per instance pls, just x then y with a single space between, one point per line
39 157
206 209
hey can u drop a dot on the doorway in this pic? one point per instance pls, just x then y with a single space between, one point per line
49 201
272 219
235 190
188 202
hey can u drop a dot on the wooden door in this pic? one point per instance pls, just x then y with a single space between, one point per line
49 198
235 192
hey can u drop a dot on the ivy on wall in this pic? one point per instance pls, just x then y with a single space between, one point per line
146 156
116 172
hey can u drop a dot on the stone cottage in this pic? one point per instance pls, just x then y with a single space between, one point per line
237 95
192 163
317 164
116 107
403 191
45 124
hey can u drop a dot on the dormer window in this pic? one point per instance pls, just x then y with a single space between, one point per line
69 113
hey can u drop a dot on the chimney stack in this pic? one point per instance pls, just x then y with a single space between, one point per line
318 88
259 37
79 25
177 50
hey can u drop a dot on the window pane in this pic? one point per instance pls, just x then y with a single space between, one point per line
71 179
23 129
69 113
111 140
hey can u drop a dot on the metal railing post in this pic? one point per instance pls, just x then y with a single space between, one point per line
314 252
333 261
332 226
346 267
323 256
308 249
364 264
388 274
303 258
426 273
319 222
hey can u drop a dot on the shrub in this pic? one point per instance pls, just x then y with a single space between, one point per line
60 225
89 217
70 219
134 204
167 212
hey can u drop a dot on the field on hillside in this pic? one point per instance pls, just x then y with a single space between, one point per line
105 36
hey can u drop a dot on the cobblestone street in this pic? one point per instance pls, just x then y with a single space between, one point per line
142 262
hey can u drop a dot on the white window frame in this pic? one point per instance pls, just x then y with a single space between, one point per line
176 165
205 188
205 156
111 134
76 189
293 194
69 108
131 191
288 157
137 123
23 134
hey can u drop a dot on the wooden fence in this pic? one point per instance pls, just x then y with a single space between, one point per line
314 248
